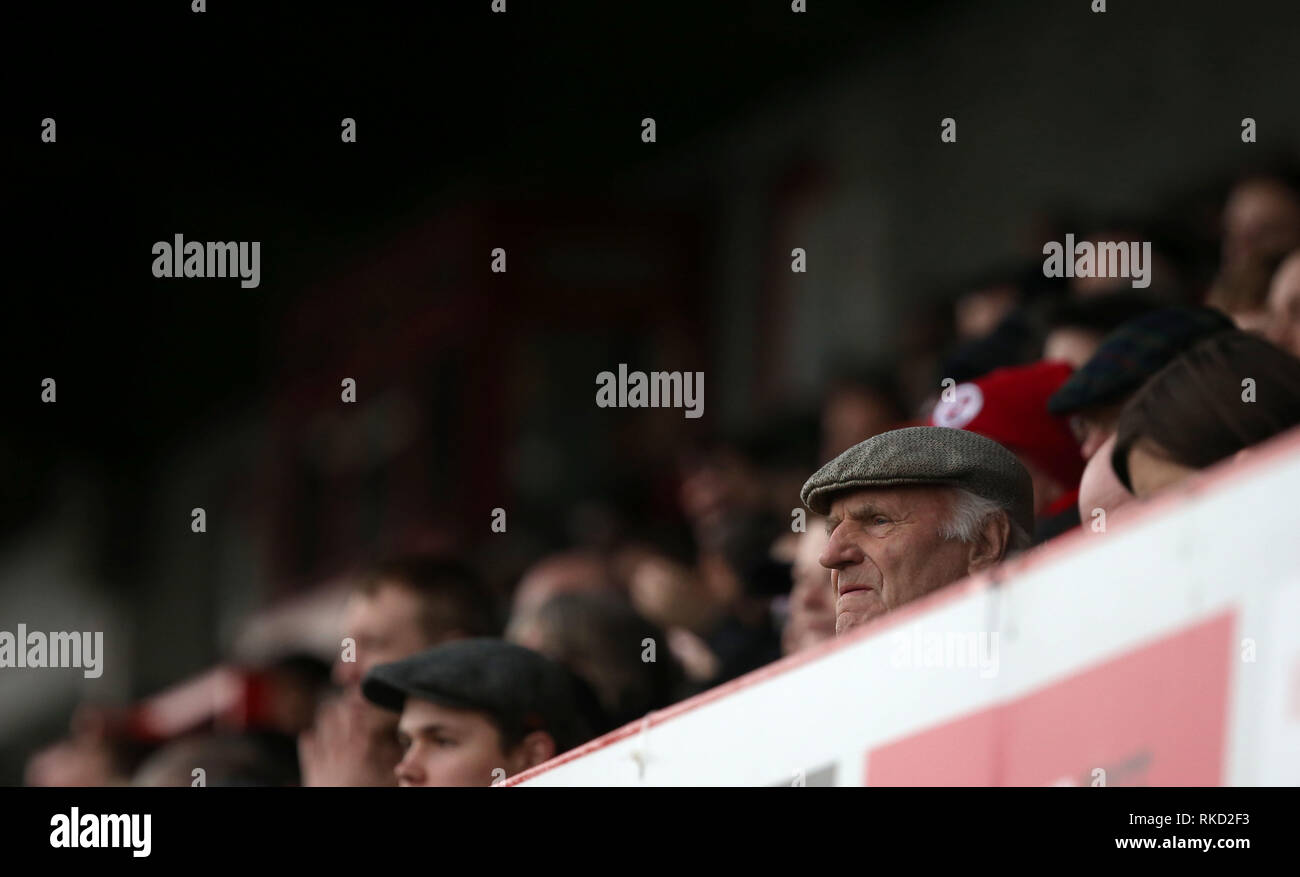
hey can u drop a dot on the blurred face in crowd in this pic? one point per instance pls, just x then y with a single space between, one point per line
1261 219
978 312
852 415
1150 471
812 605
458 747
885 549
559 574
1093 426
1068 344
1284 306
385 625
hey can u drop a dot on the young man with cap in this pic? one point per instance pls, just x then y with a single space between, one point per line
911 510
476 711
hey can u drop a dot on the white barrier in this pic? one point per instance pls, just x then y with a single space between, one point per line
1165 651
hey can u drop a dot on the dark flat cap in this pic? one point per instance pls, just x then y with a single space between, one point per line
1134 352
927 455
521 690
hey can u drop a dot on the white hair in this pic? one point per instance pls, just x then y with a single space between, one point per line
967 516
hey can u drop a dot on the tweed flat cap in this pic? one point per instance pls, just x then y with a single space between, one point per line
927 455
519 688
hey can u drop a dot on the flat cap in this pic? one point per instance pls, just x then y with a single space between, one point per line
520 689
928 455
1134 352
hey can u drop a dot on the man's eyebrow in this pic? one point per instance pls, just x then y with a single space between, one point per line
864 511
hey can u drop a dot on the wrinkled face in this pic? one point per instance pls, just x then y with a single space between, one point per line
448 747
812 605
1284 306
385 626
1151 472
885 549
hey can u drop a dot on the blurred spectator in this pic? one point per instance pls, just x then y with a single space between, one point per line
479 710
1241 292
408 604
224 760
1009 405
297 683
1093 396
96 752
915 509
1284 305
812 605
1261 219
401 607
1225 394
569 572
604 641
1075 328
856 407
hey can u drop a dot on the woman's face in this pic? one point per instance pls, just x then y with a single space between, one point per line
1150 472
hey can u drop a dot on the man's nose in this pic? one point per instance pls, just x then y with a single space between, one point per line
408 769
840 552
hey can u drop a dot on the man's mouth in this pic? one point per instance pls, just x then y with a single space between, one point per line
842 587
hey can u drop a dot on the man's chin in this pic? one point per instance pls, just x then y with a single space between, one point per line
852 617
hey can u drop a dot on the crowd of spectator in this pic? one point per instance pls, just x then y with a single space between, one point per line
1055 399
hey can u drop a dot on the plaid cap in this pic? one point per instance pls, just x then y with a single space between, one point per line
927 455
1134 352
520 689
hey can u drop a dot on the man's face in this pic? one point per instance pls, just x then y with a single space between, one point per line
448 747
385 626
885 550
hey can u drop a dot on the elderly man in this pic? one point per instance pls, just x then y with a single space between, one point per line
912 510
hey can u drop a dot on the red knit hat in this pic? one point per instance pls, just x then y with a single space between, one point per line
1009 405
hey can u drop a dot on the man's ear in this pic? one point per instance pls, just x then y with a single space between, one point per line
990 544
535 748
